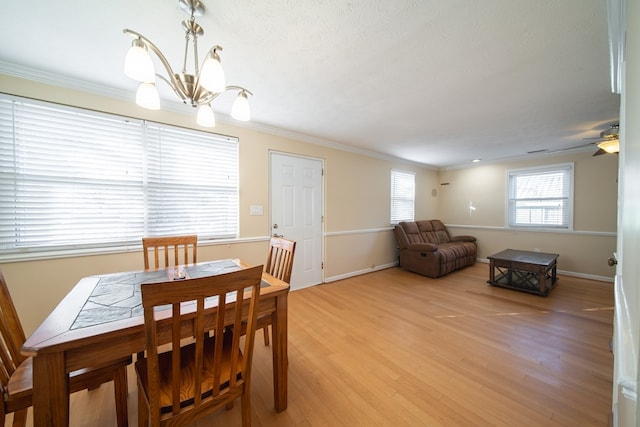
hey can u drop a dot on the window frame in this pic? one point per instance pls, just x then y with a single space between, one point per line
395 217
15 113
568 169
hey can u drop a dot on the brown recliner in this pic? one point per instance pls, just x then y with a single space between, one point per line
427 248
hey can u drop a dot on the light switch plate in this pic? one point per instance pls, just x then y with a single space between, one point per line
256 210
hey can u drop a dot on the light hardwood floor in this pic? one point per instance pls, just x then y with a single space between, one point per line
393 348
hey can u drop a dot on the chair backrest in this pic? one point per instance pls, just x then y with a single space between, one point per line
12 335
220 369
280 258
180 246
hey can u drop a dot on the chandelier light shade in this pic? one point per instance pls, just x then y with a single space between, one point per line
240 110
147 96
205 116
199 87
138 64
212 74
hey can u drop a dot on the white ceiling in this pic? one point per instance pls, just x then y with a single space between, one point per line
434 82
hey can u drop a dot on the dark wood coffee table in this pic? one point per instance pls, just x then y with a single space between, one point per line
533 272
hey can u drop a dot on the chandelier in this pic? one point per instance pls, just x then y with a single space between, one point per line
198 89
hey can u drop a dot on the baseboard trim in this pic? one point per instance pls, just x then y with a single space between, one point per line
481 260
359 272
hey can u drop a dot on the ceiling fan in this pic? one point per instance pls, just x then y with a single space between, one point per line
607 143
609 140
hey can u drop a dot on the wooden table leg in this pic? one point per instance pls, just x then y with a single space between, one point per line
50 391
492 272
280 357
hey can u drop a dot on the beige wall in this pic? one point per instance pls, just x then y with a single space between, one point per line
358 236
584 250
356 206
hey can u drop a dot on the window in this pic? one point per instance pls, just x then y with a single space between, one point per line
541 197
403 192
77 179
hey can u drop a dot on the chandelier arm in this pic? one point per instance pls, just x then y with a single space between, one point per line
238 88
212 96
172 81
173 87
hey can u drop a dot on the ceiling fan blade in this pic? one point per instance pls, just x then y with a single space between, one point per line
574 147
599 152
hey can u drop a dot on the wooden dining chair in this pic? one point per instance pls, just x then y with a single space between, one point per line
179 246
16 370
279 264
211 370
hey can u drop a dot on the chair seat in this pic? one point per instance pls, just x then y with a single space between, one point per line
20 383
187 380
20 386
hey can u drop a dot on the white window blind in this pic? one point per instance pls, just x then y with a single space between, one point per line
192 183
403 189
541 197
74 179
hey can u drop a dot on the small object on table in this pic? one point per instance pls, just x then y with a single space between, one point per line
179 273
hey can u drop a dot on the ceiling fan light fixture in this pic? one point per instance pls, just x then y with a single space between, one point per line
612 132
610 146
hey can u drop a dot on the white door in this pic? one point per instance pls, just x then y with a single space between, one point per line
296 213
626 366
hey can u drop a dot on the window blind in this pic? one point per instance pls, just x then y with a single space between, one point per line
403 190
192 183
541 197
73 179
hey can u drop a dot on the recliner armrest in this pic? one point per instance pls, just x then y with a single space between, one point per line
463 239
428 247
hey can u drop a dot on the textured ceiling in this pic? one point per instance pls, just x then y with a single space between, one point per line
435 82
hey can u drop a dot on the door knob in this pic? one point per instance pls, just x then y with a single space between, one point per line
612 262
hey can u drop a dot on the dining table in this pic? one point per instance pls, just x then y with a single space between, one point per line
101 319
